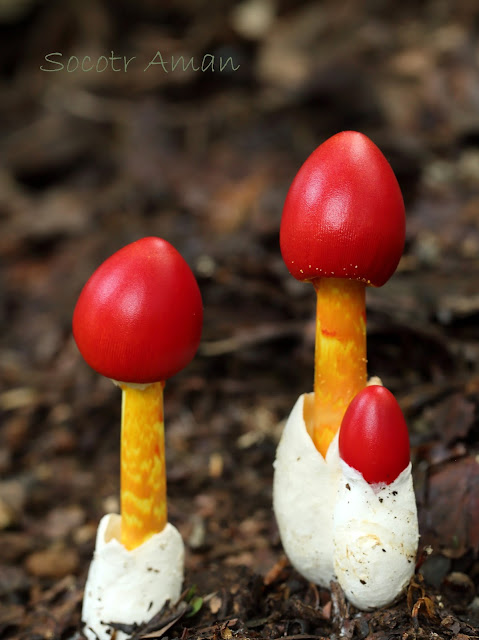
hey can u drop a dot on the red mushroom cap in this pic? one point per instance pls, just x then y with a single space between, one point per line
139 317
374 438
344 214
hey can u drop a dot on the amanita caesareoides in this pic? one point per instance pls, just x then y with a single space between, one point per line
342 229
375 517
138 320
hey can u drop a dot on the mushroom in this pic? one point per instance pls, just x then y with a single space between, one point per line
375 518
137 321
342 228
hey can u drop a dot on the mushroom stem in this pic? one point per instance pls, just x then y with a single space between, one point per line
143 475
340 355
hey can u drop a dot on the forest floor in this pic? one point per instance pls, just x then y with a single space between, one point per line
91 161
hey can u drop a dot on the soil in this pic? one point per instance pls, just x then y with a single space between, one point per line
91 160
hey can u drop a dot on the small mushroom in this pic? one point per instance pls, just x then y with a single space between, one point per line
342 228
138 321
374 438
375 518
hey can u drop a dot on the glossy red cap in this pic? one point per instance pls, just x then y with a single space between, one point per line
344 214
139 317
374 438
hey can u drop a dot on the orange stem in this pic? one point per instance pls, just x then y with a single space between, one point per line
143 476
340 354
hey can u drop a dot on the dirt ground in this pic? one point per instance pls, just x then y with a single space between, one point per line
91 160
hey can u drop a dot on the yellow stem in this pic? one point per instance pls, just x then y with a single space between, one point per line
143 476
340 354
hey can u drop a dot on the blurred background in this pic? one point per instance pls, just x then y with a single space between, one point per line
189 120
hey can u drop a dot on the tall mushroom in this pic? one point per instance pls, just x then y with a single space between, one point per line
342 229
375 518
137 321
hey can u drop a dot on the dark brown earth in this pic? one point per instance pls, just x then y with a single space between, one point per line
91 161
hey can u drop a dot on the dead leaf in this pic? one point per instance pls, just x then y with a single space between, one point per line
450 519
452 418
424 606
215 604
277 571
52 563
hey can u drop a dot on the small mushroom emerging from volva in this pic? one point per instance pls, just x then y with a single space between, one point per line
342 229
138 321
375 518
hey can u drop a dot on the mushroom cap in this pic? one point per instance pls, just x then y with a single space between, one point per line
373 438
139 316
344 214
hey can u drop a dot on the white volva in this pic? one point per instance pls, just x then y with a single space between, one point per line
335 526
129 587
304 493
375 537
